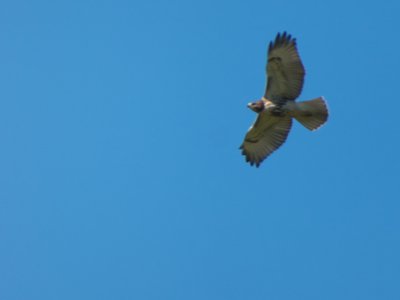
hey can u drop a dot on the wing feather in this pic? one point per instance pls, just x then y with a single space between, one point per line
285 71
266 135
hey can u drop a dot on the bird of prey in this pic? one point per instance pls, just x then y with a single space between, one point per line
276 109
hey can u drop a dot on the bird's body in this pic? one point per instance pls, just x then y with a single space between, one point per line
276 109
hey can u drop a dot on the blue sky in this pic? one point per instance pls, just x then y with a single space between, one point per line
120 174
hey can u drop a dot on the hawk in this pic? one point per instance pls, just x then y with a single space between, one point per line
276 109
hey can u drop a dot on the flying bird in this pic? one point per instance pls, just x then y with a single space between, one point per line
276 109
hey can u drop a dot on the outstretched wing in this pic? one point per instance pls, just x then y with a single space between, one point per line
285 72
266 135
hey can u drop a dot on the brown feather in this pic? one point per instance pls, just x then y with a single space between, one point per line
285 71
266 135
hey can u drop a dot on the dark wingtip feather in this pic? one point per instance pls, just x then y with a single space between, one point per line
277 39
284 35
282 39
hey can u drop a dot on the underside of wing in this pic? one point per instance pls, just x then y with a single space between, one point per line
266 135
285 71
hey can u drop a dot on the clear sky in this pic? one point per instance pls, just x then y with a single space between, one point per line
120 174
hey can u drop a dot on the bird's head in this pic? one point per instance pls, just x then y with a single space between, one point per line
257 106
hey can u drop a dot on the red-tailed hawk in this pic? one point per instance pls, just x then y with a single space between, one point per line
285 77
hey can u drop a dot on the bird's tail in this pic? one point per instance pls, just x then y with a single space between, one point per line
311 114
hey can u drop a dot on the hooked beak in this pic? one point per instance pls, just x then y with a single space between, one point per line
256 106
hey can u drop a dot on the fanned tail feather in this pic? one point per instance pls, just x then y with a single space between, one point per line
311 114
